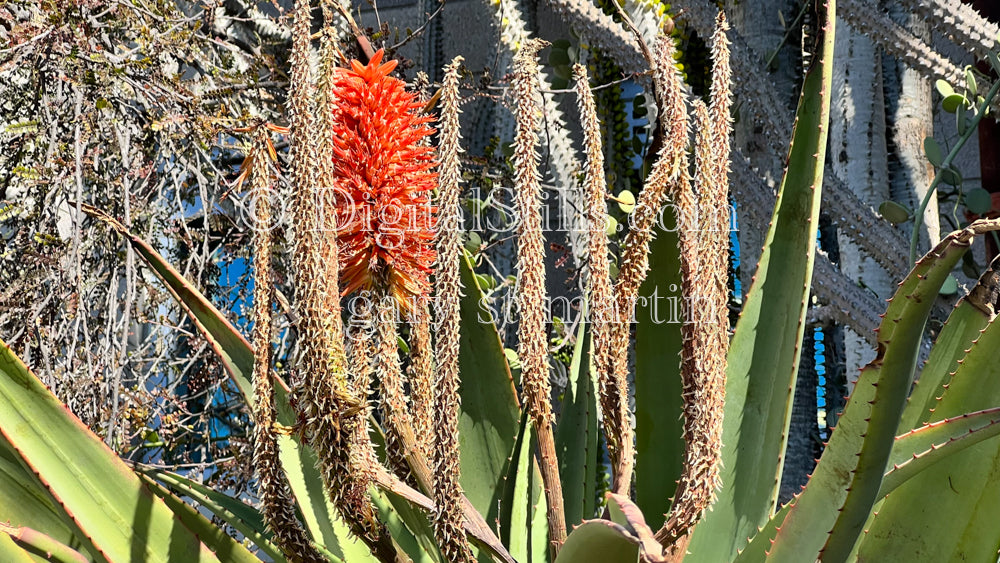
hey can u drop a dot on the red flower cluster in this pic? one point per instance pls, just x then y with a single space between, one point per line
384 179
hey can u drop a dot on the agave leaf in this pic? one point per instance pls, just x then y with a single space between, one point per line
850 471
215 538
962 329
659 446
577 433
528 537
764 354
244 518
948 511
488 424
120 518
11 552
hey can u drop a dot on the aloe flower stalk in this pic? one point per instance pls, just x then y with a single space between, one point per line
276 500
448 288
383 178
533 340
329 413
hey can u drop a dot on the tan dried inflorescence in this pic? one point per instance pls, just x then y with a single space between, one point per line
277 504
605 323
704 279
421 376
533 349
668 175
394 404
329 413
448 517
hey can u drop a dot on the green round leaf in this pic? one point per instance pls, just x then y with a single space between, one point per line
473 242
487 283
933 151
944 88
950 286
561 44
978 201
970 81
951 176
952 102
613 270
894 212
626 201
612 227
962 121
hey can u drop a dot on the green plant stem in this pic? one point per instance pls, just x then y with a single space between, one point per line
788 34
919 215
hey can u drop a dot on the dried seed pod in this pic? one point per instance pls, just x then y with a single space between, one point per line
668 175
603 312
704 280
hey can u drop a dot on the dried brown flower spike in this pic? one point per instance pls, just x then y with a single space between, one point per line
329 412
447 288
276 500
533 340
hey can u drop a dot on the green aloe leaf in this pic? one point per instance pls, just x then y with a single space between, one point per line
24 501
967 320
659 446
528 541
244 518
577 434
488 426
408 526
228 549
600 541
760 543
11 552
42 546
912 453
121 519
919 449
850 471
948 511
626 538
764 354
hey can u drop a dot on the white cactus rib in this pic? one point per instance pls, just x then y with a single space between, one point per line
962 24
560 157
603 32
